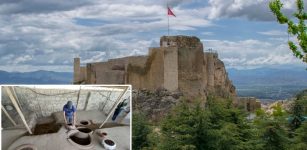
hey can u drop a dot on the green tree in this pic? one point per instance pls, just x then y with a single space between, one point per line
278 111
299 29
217 126
302 98
140 131
300 141
298 109
274 136
184 128
260 113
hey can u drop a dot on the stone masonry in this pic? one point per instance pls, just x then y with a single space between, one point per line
249 104
179 64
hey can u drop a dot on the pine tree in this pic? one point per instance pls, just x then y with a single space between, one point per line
216 126
298 109
300 141
183 128
274 135
140 130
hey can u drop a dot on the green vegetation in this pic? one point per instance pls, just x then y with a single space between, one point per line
217 125
140 131
299 29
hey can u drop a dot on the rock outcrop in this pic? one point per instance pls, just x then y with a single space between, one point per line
155 104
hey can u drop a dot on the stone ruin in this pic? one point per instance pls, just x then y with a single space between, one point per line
249 104
179 64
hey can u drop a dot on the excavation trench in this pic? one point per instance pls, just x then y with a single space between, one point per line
46 128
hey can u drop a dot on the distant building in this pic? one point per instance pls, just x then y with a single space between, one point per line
249 104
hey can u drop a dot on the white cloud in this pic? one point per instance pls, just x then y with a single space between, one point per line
21 59
207 33
252 53
51 33
47 33
274 33
251 9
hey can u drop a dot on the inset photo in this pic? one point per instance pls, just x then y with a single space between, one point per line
66 117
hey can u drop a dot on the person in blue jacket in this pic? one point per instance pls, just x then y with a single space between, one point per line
69 112
119 108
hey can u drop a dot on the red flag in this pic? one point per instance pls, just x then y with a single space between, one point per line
170 13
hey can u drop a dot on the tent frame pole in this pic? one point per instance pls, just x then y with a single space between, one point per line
18 109
8 115
114 106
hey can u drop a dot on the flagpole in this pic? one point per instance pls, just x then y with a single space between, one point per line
168 25
167 19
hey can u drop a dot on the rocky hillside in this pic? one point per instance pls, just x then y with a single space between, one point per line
154 104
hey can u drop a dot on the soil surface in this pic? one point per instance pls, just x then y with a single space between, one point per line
46 128
109 142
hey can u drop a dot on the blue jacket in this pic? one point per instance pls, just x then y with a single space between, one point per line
69 112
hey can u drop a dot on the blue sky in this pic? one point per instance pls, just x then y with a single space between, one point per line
47 35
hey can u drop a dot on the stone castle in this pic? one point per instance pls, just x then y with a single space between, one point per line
179 64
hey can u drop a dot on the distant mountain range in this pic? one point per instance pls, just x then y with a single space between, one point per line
263 83
269 83
36 77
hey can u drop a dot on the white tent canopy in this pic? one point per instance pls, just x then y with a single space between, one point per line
44 100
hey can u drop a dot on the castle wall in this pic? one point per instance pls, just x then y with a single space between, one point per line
90 74
171 68
190 71
210 69
111 72
82 74
151 74
79 72
205 72
107 73
178 64
77 69
190 67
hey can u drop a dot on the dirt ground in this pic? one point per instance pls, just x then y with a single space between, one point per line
46 128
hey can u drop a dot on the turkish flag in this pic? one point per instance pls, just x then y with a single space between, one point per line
170 13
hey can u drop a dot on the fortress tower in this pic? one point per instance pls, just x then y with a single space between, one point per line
180 63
